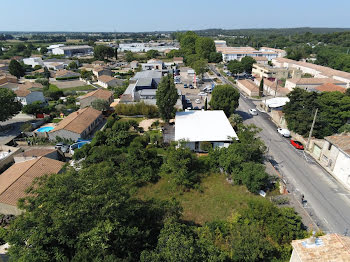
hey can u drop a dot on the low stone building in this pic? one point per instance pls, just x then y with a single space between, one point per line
108 81
248 87
79 124
101 71
103 94
16 179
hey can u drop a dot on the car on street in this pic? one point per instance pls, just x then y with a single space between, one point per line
198 101
284 132
62 147
202 94
196 108
191 86
297 144
185 86
253 112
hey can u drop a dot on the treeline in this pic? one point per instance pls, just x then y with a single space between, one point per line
332 117
92 213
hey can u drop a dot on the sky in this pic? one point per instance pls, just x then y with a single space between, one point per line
157 15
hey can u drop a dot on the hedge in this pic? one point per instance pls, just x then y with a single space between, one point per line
137 109
67 78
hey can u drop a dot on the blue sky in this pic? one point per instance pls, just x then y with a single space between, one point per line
156 15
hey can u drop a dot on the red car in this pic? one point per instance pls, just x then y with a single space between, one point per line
297 144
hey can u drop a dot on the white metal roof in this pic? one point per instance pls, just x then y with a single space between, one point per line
276 102
208 126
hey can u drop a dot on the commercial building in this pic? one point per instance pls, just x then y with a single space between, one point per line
153 64
74 50
144 47
280 52
103 94
315 70
237 53
311 83
270 72
196 127
79 124
330 247
17 178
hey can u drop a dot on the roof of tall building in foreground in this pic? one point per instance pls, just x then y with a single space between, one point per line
78 121
331 247
197 125
17 178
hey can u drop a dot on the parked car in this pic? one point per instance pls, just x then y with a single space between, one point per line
284 132
253 112
185 86
191 86
297 144
202 94
198 101
196 108
64 148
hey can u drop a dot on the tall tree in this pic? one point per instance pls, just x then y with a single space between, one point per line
204 47
200 66
247 63
100 104
224 97
16 69
261 87
152 54
101 52
166 97
9 106
116 53
235 67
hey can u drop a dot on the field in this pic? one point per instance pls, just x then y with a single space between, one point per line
216 201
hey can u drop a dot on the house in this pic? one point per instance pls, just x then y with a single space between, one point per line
57 64
87 99
196 127
134 64
33 61
106 81
79 124
8 81
315 70
98 63
334 156
272 88
329 87
270 72
37 152
261 60
153 64
7 154
248 87
26 96
330 247
66 74
178 60
17 178
101 71
73 50
311 83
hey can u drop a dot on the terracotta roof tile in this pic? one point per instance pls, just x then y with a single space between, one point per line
99 93
314 81
341 141
330 87
249 85
106 79
36 152
78 121
16 179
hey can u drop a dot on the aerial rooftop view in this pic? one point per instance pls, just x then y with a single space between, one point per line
175 131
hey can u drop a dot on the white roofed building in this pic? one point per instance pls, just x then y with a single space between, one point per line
195 127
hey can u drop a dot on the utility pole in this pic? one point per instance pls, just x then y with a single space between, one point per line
312 129
276 86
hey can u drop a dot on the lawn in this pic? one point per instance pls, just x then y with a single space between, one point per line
217 200
79 88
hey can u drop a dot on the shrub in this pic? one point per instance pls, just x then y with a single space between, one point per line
29 77
137 109
67 78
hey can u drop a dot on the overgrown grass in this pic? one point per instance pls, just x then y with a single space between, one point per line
137 119
216 201
79 88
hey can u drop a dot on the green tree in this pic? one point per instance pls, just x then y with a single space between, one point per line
100 104
34 108
102 52
235 67
204 46
43 50
16 69
253 176
206 104
224 97
188 42
344 129
261 87
10 106
215 57
166 96
247 63
200 66
152 54
44 81
46 73
86 74
129 56
73 65
235 120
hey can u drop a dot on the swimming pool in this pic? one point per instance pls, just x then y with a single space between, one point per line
45 129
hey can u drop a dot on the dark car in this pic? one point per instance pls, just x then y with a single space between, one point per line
196 108
191 86
297 144
185 86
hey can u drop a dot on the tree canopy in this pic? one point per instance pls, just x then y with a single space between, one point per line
100 104
166 97
9 106
224 97
102 52
16 69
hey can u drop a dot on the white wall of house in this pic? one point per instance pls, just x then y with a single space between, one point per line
103 84
197 147
33 61
31 98
342 168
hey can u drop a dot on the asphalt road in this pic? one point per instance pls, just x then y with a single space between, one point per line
327 200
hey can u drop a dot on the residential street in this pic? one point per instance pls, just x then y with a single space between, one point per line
326 198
